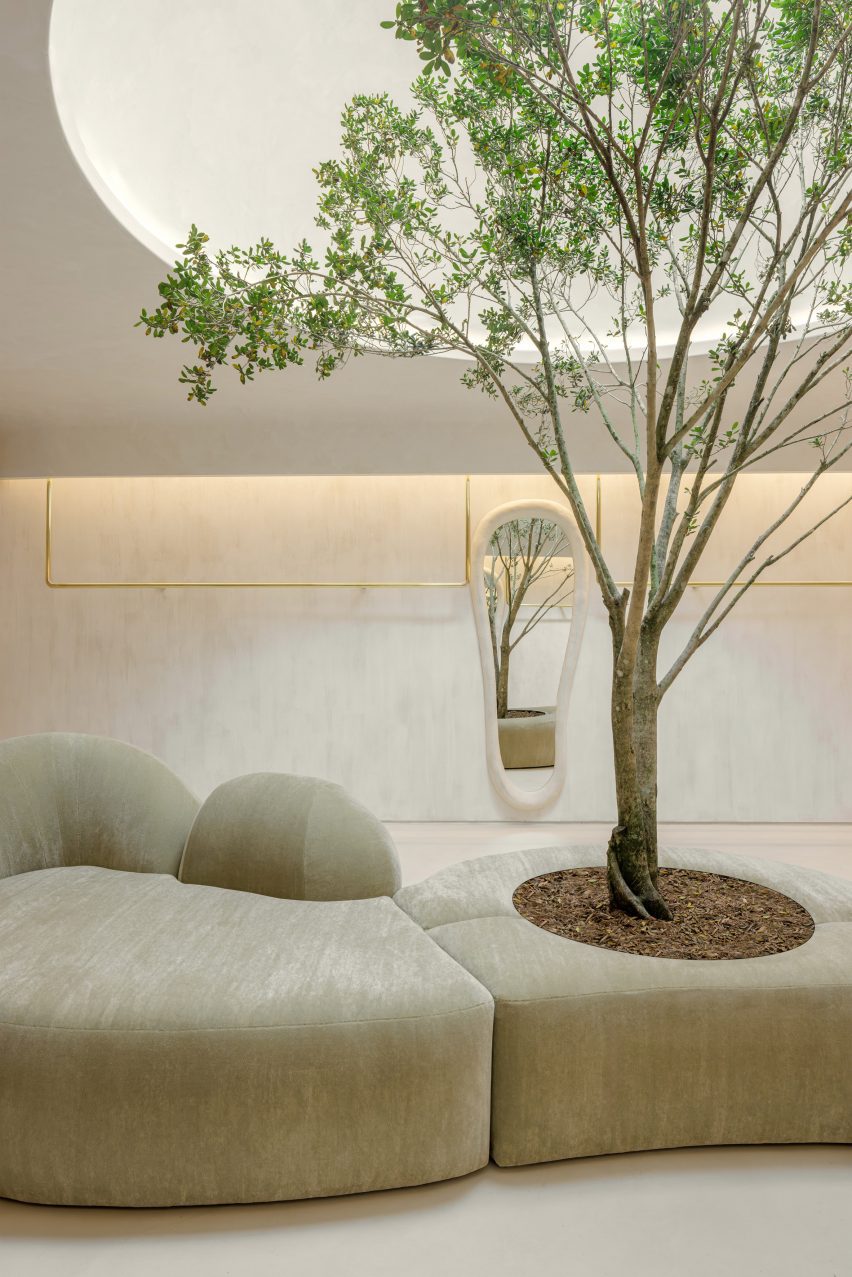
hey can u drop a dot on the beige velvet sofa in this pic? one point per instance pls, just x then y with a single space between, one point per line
225 1005
604 1052
218 1005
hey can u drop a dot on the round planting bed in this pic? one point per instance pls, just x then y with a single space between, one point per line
598 1051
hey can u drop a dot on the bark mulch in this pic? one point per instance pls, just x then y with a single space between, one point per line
714 916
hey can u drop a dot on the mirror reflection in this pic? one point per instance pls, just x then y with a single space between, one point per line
528 579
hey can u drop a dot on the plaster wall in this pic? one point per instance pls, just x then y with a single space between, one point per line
381 689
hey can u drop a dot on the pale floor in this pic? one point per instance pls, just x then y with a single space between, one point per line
736 1212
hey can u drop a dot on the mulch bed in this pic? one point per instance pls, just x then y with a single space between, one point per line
525 713
714 916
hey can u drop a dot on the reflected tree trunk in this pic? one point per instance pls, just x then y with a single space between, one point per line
503 676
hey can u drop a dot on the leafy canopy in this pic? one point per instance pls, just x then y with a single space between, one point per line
676 161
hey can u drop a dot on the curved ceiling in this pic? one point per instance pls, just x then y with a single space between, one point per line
209 112
146 93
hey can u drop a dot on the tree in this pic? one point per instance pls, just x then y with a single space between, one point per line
695 153
524 555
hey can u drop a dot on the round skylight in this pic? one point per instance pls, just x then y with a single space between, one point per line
207 111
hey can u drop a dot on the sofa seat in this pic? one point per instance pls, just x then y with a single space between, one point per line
602 1052
164 1043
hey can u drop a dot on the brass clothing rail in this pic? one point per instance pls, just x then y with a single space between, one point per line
247 585
713 585
55 584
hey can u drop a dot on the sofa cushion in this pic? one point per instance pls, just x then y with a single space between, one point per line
483 888
291 836
597 1051
72 799
163 1043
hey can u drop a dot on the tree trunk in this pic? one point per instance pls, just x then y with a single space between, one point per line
503 679
646 709
632 851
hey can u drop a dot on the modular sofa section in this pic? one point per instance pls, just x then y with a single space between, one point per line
164 1044
602 1052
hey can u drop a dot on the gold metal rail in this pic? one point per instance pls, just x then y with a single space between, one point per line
366 585
53 584
714 585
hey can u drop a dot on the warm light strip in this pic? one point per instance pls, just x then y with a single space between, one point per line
712 585
365 585
248 585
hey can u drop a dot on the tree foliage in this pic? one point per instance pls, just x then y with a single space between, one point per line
686 158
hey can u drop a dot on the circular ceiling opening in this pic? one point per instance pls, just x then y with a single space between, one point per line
215 113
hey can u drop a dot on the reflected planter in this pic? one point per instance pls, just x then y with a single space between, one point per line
530 740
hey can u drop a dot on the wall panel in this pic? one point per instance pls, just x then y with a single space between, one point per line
381 690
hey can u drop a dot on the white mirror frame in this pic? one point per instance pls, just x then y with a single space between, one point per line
519 798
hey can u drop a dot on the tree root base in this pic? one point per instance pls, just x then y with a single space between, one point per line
643 902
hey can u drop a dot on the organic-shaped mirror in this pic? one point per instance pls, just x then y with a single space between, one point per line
528 580
528 583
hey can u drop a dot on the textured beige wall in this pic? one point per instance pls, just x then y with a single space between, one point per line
381 690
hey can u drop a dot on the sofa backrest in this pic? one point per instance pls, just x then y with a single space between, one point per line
290 836
69 799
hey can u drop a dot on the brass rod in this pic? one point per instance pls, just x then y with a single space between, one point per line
48 515
467 531
715 585
775 585
368 585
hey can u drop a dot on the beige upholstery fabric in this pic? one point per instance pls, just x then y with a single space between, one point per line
290 836
599 1052
164 1044
69 799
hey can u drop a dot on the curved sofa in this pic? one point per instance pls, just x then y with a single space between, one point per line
603 1052
223 1004
169 1035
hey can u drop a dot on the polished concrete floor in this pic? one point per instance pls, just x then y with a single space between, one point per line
718 1212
